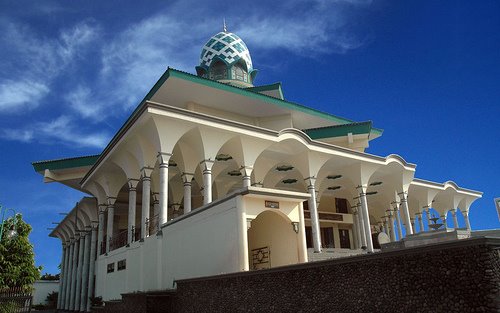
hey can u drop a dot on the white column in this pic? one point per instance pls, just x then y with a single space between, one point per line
366 218
466 218
100 234
78 288
207 180
303 257
92 258
361 223
412 223
355 228
163 159
246 173
386 225
428 216
406 213
391 221
443 218
421 221
111 221
146 200
69 276
85 273
242 234
316 235
132 207
74 274
187 178
398 221
455 219
62 276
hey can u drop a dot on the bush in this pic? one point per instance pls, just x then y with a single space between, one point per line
52 299
96 301
8 307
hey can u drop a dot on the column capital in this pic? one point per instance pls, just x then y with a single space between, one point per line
176 206
310 181
146 172
156 197
163 158
207 165
395 204
187 178
132 184
111 201
362 189
246 171
402 195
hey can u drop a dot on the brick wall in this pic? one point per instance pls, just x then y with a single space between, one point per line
462 276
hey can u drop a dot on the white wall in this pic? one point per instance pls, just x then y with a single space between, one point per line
208 241
42 288
203 244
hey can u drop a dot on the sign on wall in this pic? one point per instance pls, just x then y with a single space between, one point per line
272 204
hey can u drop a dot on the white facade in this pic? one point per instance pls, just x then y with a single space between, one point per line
207 178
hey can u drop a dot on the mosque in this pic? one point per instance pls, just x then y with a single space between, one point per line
211 174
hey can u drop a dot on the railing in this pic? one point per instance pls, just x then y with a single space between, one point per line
152 225
118 240
15 300
103 244
136 233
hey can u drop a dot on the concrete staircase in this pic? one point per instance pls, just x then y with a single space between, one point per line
141 302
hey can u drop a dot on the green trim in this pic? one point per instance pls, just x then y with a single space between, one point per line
339 130
60 164
270 87
254 95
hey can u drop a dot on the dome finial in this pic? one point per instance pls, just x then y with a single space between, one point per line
224 25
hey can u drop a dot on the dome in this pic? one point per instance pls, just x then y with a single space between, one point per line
225 57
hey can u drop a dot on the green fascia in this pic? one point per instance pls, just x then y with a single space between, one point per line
339 130
247 93
61 164
270 87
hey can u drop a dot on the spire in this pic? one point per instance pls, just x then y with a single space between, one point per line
224 25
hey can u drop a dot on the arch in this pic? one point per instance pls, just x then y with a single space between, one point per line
272 232
218 69
239 71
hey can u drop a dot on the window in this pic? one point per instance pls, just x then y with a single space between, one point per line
327 237
111 267
309 237
218 71
239 73
345 243
122 264
341 205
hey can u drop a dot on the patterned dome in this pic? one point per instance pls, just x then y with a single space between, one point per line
226 46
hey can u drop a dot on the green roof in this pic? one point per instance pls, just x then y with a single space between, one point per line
339 130
270 87
60 164
244 92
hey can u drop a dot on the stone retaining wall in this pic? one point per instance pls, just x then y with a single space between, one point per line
460 276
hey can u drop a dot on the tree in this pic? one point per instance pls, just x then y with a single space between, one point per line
48 276
17 262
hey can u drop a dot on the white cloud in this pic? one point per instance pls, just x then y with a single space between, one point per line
33 62
21 94
63 129
17 135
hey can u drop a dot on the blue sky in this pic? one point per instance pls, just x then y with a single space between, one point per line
427 72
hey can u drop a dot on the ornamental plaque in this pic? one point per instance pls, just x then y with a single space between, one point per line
272 204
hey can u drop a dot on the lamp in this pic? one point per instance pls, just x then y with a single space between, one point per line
295 227
12 232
